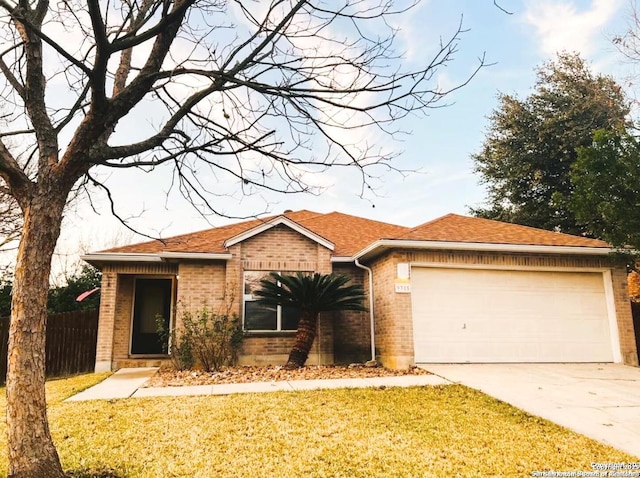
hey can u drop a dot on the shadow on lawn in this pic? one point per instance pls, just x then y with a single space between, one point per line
94 473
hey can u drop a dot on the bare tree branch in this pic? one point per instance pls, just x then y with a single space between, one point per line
495 2
6 71
10 221
115 213
34 27
124 68
18 184
28 24
628 43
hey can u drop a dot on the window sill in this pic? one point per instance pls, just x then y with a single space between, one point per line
148 356
269 333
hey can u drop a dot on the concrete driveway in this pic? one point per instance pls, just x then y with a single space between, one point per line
601 401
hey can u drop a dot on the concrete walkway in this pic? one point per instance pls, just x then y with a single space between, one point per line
121 384
126 383
601 401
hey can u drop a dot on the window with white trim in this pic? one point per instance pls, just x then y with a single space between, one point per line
259 318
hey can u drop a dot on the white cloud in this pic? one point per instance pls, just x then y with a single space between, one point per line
560 25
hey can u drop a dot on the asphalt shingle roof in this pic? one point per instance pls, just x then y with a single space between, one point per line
351 234
455 228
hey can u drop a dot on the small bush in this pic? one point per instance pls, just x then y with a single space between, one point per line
181 353
205 338
214 338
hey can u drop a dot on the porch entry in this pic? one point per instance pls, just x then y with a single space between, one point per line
152 298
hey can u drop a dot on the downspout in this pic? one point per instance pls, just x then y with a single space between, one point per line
371 316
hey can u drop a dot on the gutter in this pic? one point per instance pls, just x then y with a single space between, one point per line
207 256
481 246
108 257
371 315
120 257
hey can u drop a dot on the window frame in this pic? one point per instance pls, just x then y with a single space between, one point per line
249 298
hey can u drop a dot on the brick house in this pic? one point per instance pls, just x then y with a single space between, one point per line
456 289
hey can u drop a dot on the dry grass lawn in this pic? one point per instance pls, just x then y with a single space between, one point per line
420 431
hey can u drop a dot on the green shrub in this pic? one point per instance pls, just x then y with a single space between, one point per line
205 338
214 338
181 351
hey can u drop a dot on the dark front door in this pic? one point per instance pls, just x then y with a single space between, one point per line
152 300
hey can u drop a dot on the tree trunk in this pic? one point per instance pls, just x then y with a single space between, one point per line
31 450
305 336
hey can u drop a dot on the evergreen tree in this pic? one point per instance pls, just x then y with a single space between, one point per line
606 188
310 294
531 144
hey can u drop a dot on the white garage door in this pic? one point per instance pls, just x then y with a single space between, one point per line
480 315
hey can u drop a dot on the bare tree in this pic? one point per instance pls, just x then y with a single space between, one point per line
253 92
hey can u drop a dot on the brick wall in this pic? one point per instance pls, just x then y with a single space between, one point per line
393 319
106 320
279 247
202 285
394 334
273 348
352 329
123 313
628 345
344 337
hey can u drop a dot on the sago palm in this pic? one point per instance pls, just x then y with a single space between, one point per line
311 294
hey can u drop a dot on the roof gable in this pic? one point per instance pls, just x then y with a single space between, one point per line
206 241
277 221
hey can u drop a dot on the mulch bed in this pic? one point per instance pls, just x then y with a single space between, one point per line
168 377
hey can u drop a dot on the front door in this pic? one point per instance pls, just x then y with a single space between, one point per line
152 300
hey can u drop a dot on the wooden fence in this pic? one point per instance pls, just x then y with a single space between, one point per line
71 343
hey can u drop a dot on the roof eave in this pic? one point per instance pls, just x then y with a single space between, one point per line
197 256
99 259
381 245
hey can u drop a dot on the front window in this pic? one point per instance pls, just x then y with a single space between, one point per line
261 318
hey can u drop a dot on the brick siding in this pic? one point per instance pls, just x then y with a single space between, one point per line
393 320
281 249
352 329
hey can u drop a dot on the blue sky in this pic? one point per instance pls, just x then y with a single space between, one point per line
439 145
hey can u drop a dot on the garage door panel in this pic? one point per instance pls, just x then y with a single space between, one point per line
478 315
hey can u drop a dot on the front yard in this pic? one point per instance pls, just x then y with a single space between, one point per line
421 431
